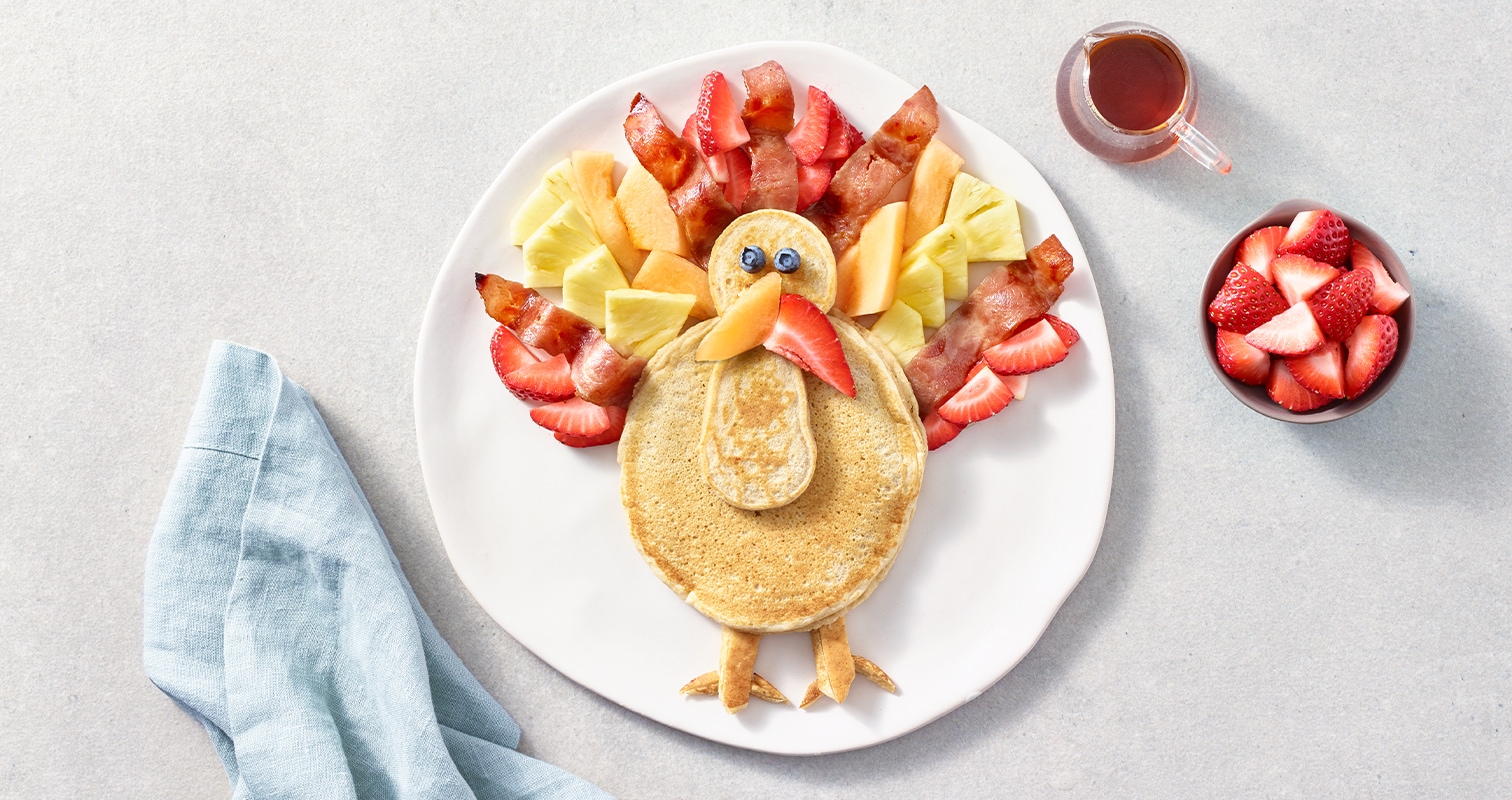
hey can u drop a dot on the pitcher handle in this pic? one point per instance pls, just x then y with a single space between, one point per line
1193 143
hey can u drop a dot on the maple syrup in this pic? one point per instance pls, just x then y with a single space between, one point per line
1136 82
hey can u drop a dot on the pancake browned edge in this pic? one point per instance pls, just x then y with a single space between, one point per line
784 569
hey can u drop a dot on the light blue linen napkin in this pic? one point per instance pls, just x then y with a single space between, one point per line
276 614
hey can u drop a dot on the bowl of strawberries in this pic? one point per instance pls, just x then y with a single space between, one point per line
1307 314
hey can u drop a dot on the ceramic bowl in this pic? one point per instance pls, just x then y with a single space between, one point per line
1255 396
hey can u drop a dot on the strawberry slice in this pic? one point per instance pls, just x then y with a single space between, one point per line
1321 371
1063 328
809 137
1340 304
717 118
983 395
1293 396
1388 295
1298 277
544 381
1018 384
843 138
1259 249
939 431
719 166
1293 332
1245 302
1319 235
574 417
1241 360
813 181
611 434
1035 348
805 336
509 353
739 185
1371 348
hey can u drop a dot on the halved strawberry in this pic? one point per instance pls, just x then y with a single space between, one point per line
809 137
813 181
843 138
804 336
1067 333
717 118
1388 295
1241 360
610 434
1370 349
739 185
544 381
1293 396
1340 304
1259 249
1319 235
939 431
1298 277
1321 371
1018 384
1293 332
719 166
983 395
574 417
509 353
1245 302
1031 350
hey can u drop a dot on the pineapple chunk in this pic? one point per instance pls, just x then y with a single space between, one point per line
648 215
921 284
585 282
564 238
946 247
593 180
554 190
746 323
988 218
933 178
902 329
665 272
639 322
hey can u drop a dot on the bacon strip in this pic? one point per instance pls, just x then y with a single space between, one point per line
695 197
1009 296
862 183
600 374
768 116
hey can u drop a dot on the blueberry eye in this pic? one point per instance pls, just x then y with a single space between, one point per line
787 261
753 258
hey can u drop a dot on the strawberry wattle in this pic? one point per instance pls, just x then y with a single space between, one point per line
806 337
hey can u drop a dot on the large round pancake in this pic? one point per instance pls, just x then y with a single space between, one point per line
788 568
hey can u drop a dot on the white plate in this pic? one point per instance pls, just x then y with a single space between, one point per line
1008 519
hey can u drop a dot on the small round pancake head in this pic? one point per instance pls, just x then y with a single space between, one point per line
771 230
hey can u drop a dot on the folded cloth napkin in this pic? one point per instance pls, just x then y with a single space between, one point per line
276 614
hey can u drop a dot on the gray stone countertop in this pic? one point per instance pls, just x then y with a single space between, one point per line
1276 610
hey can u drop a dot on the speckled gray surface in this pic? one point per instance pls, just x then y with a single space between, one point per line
1276 610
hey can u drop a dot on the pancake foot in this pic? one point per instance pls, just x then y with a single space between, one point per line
761 688
874 673
833 667
810 696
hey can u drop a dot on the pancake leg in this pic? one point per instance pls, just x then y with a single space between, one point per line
737 666
834 669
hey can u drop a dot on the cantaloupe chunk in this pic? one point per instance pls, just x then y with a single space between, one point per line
593 180
746 323
639 322
878 253
585 282
665 272
930 190
642 204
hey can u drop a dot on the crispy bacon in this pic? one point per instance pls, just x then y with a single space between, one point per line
862 183
695 197
768 116
1010 295
600 374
